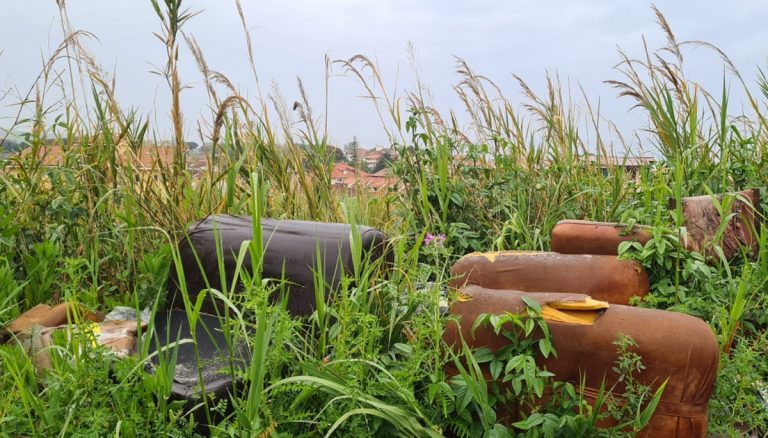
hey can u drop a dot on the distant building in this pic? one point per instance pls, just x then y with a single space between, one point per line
197 164
631 164
342 172
146 158
48 155
384 173
148 161
346 177
372 158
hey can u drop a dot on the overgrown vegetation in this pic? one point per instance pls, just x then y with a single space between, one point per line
99 230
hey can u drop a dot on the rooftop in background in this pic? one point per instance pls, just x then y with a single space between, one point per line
626 161
344 170
49 155
384 173
146 158
344 176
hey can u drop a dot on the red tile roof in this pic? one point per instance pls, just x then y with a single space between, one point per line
150 157
146 158
347 177
51 155
343 170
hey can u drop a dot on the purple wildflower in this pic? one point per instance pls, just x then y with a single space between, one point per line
431 239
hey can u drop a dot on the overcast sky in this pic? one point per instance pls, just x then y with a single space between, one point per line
576 38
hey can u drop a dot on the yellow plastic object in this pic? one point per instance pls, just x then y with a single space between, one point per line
492 255
588 304
573 312
464 297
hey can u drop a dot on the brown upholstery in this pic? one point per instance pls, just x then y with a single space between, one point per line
47 316
119 336
673 346
600 276
584 237
702 221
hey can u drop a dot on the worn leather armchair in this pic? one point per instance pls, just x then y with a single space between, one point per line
674 347
603 277
600 238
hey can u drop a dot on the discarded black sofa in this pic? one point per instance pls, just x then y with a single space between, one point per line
291 251
218 360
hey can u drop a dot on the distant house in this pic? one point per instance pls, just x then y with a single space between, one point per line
374 158
631 164
146 158
380 183
346 177
384 173
48 155
343 171
147 161
197 164
371 158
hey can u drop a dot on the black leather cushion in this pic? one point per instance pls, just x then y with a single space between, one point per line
219 361
291 249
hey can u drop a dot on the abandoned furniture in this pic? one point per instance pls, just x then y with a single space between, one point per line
676 348
293 250
702 219
219 360
603 277
600 238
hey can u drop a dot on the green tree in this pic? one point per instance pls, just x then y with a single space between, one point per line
352 149
386 161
